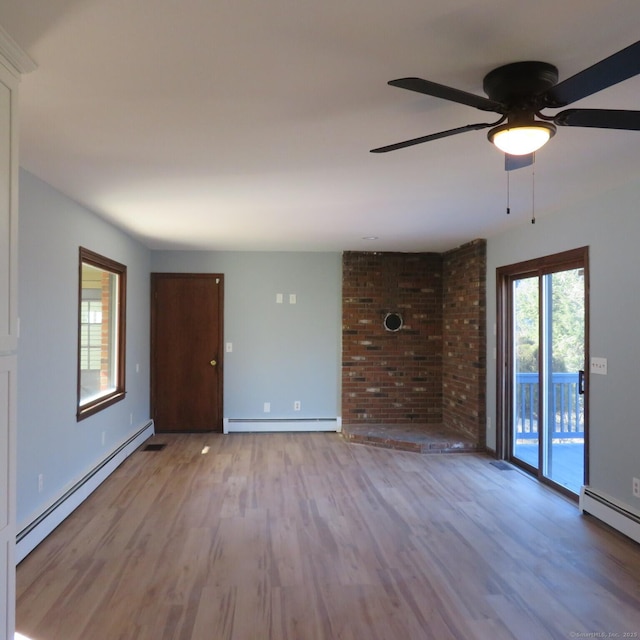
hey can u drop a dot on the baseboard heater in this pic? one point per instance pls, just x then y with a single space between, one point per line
37 530
237 425
611 511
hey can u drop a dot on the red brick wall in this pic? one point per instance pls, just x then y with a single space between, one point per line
464 339
432 371
392 377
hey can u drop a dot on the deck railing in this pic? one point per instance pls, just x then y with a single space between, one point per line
567 406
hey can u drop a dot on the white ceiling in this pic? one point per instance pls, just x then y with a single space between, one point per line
247 124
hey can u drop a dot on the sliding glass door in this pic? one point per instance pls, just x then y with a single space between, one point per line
526 428
543 338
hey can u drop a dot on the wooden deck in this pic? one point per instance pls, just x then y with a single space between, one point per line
567 463
309 537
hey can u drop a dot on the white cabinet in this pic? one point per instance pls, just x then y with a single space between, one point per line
13 62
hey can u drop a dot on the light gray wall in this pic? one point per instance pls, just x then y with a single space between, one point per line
50 440
610 226
281 352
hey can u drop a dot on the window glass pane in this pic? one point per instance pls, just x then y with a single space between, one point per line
100 334
526 378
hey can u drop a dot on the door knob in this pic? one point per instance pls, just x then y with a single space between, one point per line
213 363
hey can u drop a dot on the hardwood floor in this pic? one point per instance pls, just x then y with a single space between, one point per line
308 537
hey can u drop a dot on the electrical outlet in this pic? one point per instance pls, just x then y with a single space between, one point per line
40 482
103 439
636 487
267 407
296 405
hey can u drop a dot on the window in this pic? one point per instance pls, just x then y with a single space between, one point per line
101 332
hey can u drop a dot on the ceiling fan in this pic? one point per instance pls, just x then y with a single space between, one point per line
520 91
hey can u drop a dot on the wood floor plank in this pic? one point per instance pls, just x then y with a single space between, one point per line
309 537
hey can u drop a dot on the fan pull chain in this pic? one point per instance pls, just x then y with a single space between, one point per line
533 190
508 194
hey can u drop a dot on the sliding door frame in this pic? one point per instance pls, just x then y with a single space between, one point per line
505 277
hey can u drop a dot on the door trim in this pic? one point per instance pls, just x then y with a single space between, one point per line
505 276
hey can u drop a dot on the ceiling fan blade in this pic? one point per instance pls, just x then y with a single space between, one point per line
616 68
599 118
511 163
447 93
433 136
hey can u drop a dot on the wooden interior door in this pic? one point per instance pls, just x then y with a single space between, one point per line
186 351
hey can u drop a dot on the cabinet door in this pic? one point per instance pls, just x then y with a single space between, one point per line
8 212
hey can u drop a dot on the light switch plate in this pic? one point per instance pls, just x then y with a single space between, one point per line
599 366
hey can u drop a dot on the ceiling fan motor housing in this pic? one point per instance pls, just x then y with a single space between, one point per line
518 85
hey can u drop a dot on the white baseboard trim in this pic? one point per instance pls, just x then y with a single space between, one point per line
616 514
237 425
36 531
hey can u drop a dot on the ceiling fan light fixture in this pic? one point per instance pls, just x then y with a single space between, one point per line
519 140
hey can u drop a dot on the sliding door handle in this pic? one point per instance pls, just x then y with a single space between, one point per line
581 382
